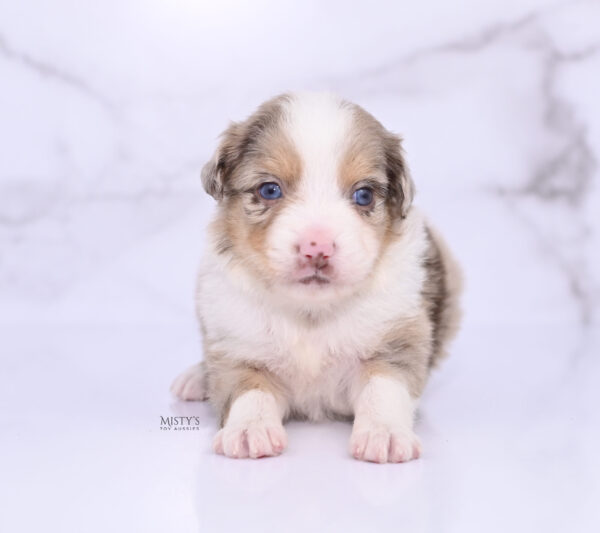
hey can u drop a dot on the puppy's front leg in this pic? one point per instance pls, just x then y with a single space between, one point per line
383 420
251 415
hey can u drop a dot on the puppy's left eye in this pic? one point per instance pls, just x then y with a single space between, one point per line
270 191
363 196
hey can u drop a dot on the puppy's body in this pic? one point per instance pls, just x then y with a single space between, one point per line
313 304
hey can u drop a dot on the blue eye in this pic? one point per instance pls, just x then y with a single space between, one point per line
270 191
363 196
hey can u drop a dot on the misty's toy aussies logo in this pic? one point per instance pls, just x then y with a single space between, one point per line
179 423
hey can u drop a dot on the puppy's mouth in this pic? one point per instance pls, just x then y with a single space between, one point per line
314 279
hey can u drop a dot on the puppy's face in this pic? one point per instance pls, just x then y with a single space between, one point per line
309 188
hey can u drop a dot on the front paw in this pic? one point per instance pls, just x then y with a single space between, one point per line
254 440
381 444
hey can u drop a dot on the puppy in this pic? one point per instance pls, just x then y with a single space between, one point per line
323 293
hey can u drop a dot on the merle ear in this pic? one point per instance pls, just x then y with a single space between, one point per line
215 173
402 187
212 178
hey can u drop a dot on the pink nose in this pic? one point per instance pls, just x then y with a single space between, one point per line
316 246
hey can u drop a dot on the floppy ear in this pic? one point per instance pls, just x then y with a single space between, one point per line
215 173
402 187
212 179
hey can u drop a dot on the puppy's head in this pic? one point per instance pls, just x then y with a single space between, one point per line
309 188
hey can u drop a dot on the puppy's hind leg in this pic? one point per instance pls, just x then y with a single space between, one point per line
191 384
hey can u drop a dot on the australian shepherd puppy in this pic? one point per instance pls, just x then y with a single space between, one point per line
323 293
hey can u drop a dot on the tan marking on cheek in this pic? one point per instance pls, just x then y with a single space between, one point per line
220 235
257 239
248 219
231 221
385 234
248 241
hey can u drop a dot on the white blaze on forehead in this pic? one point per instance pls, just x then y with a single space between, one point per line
319 126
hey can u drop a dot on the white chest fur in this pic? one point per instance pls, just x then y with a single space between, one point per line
317 360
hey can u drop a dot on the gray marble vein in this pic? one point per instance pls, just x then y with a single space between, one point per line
85 180
49 71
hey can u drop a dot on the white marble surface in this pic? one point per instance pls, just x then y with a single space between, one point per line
108 111
510 429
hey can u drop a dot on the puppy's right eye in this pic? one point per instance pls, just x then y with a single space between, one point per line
270 191
363 196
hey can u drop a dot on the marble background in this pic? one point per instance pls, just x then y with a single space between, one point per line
109 109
